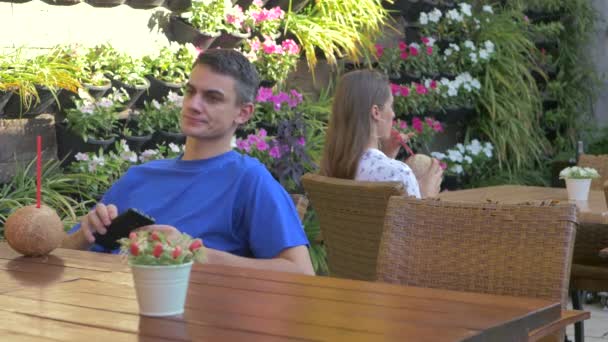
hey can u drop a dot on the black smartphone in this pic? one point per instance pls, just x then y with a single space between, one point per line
121 226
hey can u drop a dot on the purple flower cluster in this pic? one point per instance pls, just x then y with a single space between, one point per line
291 99
260 142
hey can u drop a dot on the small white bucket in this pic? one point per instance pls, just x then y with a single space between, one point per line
161 290
578 189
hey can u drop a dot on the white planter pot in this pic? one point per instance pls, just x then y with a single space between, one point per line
578 189
161 290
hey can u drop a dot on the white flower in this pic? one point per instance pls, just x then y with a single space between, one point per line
124 146
476 84
467 87
452 91
96 161
415 45
192 50
483 54
488 146
448 52
488 8
175 98
174 148
465 9
435 15
460 147
454 15
468 159
81 156
474 147
155 104
457 169
454 47
469 44
105 102
473 57
424 19
487 152
438 155
431 41
455 156
489 46
147 155
129 156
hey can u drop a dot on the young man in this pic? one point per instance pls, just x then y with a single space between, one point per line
243 215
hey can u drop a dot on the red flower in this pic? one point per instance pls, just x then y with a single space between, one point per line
413 51
433 84
402 46
176 252
154 236
395 89
429 50
404 90
404 55
158 250
421 89
417 124
379 50
196 244
134 249
425 40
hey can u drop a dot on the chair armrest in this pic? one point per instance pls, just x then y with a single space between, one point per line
567 317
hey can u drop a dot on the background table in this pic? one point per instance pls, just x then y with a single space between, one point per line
80 296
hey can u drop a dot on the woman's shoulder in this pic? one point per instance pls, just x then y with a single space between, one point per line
376 166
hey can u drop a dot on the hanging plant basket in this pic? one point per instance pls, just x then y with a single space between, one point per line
134 91
229 40
182 32
296 5
144 4
69 144
5 96
178 5
460 114
62 2
14 108
172 137
98 92
136 143
105 3
413 33
158 90
268 83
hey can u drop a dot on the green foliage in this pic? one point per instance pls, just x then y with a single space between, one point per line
318 255
171 64
156 249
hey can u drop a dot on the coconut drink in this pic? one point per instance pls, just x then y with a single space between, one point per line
34 231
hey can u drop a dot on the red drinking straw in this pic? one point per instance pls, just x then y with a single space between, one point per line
38 169
402 142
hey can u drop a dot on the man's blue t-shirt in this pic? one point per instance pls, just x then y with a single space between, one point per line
230 201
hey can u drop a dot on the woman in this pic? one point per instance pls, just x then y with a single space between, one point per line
359 144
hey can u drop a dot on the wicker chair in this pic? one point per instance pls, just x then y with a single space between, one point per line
517 250
301 203
589 269
351 216
598 162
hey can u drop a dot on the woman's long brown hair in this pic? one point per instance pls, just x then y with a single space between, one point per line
350 124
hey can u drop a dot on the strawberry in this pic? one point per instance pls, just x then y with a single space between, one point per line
196 244
158 250
176 252
134 249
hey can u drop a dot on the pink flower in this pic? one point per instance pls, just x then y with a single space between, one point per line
276 13
255 44
243 145
421 89
262 145
379 50
417 124
262 133
402 124
437 127
301 141
290 47
404 90
395 89
429 50
402 46
275 152
236 17
443 165
404 55
413 51
258 3
429 121
269 46
433 84
264 94
425 40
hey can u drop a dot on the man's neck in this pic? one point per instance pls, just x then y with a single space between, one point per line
204 149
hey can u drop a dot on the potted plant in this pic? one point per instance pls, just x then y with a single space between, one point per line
272 107
465 162
161 269
578 181
168 70
137 130
235 30
201 25
273 61
165 119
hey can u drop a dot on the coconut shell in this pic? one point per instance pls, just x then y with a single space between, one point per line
420 164
34 231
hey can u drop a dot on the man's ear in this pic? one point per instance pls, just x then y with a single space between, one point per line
245 113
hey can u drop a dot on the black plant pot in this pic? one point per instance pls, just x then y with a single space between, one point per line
412 33
458 115
164 138
69 144
105 3
182 32
136 143
228 40
178 5
267 83
446 5
246 3
62 2
47 100
97 92
158 90
5 96
409 9
134 91
452 183
409 77
296 5
144 4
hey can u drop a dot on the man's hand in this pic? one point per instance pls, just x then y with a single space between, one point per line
430 183
391 145
97 221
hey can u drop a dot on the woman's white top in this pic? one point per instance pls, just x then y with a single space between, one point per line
375 166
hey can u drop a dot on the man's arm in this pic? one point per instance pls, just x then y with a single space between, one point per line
294 260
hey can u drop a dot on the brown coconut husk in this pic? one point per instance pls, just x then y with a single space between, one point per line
34 231
420 164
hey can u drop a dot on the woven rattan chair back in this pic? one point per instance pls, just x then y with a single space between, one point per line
517 250
351 216
598 162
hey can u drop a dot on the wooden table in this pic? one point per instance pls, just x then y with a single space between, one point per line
84 296
592 211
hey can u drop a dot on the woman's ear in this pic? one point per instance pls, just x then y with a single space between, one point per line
375 113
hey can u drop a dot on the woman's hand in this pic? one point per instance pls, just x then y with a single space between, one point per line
391 145
430 183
